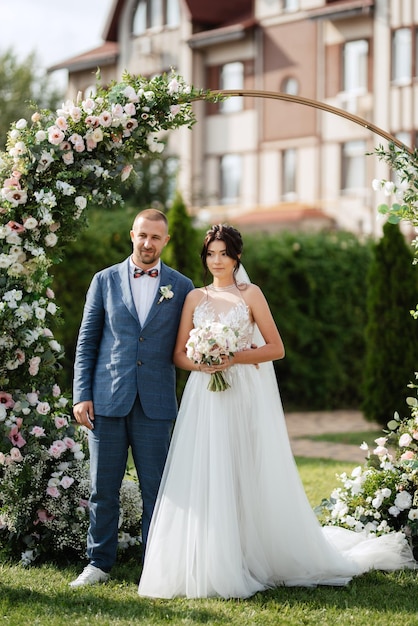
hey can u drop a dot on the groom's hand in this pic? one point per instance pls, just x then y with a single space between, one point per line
84 413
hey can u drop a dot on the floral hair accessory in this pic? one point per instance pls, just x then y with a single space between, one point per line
166 293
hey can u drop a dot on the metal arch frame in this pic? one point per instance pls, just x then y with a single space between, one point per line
311 103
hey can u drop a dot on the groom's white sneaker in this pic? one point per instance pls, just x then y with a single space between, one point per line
90 576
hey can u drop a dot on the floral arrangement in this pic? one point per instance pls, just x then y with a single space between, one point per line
207 345
166 293
56 164
382 496
402 193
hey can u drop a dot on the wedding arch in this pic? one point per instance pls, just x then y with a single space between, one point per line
56 164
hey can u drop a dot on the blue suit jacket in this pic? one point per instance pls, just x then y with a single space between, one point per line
116 358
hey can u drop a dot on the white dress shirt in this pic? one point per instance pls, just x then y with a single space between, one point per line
144 289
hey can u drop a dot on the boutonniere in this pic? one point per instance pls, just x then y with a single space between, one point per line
166 293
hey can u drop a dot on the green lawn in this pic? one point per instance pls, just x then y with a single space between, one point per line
352 439
40 596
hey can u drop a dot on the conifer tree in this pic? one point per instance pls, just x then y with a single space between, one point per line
182 252
391 332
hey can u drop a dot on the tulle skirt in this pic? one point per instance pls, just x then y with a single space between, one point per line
232 517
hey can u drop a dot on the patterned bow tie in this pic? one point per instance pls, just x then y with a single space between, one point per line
138 272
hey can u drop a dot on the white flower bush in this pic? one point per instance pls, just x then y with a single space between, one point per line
55 165
381 496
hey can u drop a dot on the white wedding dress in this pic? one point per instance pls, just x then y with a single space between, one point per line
232 517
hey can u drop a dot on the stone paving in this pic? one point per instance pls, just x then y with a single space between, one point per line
317 422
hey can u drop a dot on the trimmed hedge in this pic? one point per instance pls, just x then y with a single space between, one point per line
391 332
315 285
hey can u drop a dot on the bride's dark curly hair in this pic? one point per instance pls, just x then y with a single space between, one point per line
233 244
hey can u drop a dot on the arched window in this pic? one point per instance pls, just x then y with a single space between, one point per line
290 85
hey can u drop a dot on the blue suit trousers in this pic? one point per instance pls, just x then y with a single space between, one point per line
109 442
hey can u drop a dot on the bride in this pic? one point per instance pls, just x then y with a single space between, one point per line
232 517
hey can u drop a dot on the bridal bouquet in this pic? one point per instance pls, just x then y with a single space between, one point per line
208 344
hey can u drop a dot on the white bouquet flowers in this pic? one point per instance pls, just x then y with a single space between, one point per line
207 344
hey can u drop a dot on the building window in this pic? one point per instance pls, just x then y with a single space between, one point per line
155 14
402 55
232 77
353 165
290 85
290 5
172 13
139 24
231 174
289 173
355 63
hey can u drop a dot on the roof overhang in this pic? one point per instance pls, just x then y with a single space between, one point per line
342 10
225 34
104 55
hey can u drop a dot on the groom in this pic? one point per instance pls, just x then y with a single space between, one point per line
124 382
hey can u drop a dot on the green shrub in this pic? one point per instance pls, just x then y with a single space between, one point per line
316 287
391 332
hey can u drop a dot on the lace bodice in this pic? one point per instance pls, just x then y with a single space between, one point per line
229 308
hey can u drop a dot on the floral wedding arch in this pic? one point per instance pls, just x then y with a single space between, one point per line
56 164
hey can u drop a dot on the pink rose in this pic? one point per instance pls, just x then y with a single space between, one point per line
53 492
79 146
55 135
34 365
68 157
66 482
61 122
43 408
126 172
91 144
130 108
44 516
408 456
75 113
38 431
57 448
15 455
60 422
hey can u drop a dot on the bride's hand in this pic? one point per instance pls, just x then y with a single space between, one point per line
216 367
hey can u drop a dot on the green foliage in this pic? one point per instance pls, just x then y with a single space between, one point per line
21 84
391 332
182 253
106 241
316 287
151 182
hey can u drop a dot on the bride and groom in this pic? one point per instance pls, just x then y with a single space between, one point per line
231 516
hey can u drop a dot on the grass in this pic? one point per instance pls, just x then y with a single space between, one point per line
40 596
352 439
